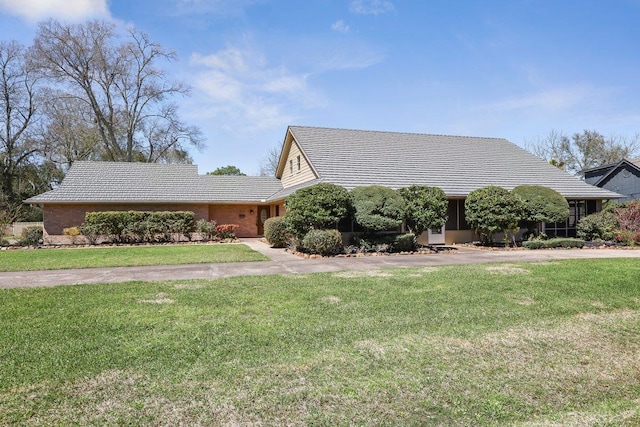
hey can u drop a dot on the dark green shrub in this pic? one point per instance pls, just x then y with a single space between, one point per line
378 208
559 242
320 206
323 242
493 209
533 244
276 232
403 243
206 229
542 204
426 207
600 225
31 236
137 226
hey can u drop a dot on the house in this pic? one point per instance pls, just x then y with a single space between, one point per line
622 177
350 158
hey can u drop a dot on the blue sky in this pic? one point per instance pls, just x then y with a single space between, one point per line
514 69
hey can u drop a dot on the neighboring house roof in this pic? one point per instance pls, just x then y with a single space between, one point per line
456 164
110 182
609 169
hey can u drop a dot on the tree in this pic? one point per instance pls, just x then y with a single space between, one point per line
320 206
584 150
542 204
227 170
426 207
121 86
18 115
493 209
378 208
269 163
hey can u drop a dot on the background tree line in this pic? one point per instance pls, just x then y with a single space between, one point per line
84 92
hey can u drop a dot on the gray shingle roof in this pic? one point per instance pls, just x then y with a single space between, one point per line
456 164
103 182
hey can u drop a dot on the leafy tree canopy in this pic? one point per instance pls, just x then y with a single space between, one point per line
426 207
227 170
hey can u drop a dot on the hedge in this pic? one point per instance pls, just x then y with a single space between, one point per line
560 242
137 226
323 242
276 232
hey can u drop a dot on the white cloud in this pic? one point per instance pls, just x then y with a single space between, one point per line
71 10
239 90
371 7
549 99
340 26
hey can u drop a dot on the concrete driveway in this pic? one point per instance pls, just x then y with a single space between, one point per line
286 263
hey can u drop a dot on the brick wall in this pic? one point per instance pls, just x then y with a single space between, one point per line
237 214
57 217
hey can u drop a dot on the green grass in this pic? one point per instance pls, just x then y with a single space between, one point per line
555 343
125 256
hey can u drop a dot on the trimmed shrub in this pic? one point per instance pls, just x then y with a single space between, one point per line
226 231
378 208
403 243
320 206
426 207
72 233
31 236
542 204
206 229
137 226
275 231
597 226
383 243
493 209
560 242
323 242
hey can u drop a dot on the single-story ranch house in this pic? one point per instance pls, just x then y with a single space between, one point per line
310 155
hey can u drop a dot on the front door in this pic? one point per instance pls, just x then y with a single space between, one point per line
263 215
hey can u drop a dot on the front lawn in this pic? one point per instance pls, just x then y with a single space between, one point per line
528 344
125 256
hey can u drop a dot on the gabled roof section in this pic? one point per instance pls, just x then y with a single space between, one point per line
456 164
611 168
112 182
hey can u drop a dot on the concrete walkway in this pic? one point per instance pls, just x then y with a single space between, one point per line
286 263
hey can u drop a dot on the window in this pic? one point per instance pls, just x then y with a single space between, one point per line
298 163
291 166
577 209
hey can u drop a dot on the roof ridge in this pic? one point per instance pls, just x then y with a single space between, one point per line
398 133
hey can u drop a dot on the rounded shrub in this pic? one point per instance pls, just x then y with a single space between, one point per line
426 207
542 204
493 209
323 242
31 236
378 208
319 206
598 226
275 231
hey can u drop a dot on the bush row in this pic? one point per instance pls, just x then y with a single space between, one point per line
559 242
146 227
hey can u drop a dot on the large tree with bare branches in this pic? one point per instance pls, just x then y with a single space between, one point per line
18 113
118 80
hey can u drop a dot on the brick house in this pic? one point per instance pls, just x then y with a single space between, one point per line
309 155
